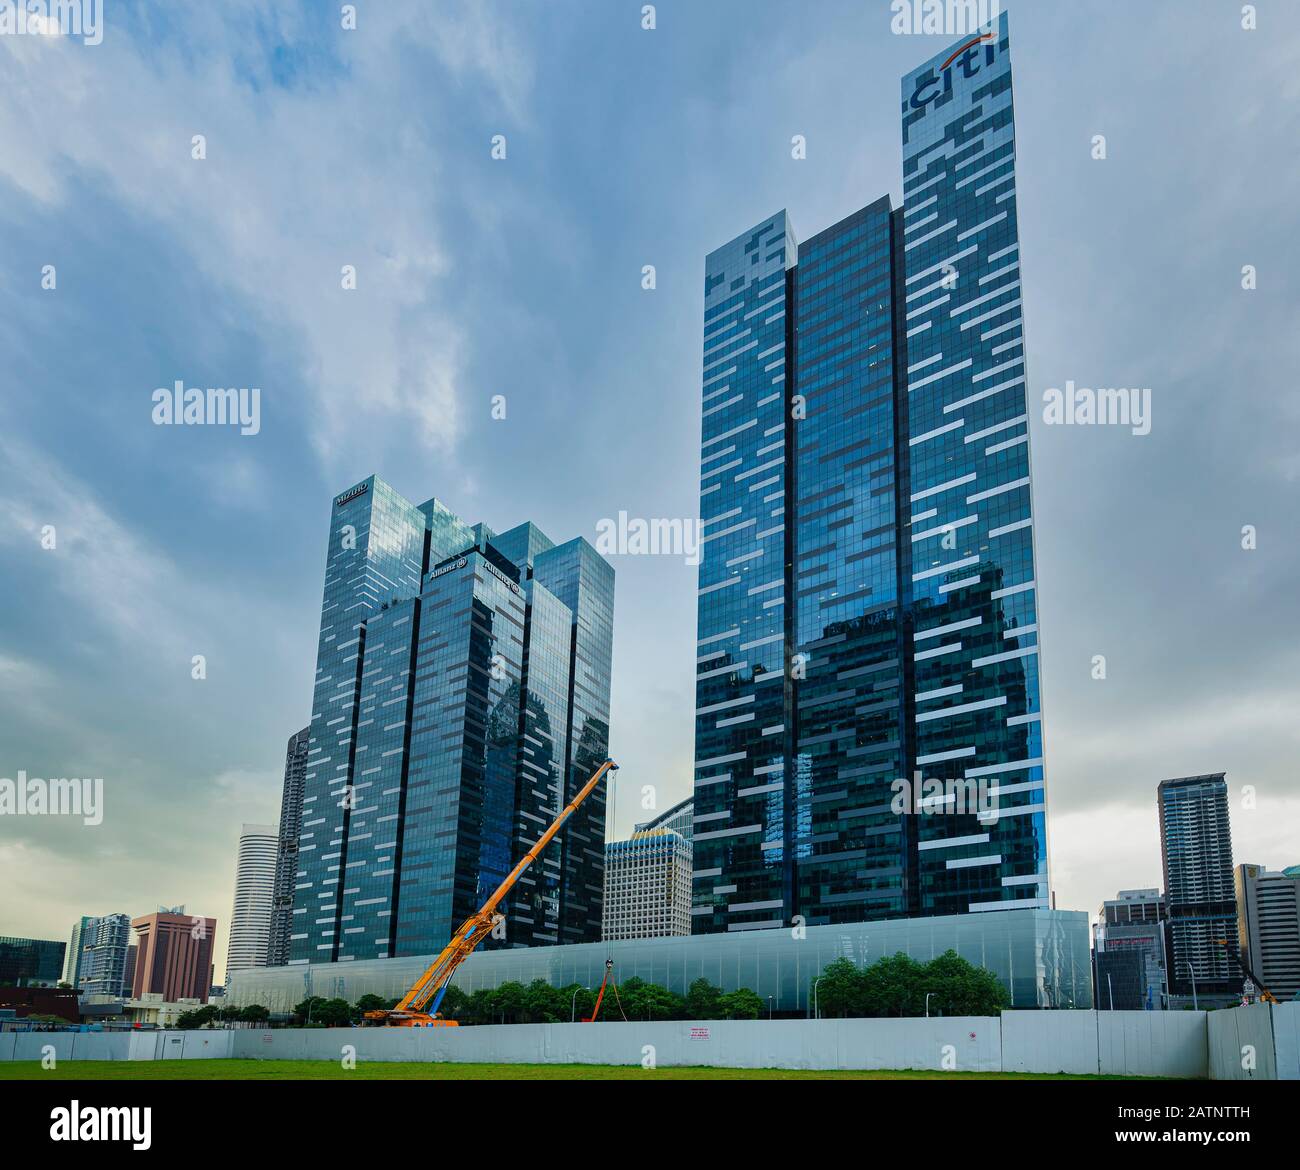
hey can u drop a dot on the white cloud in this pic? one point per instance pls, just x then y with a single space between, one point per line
297 183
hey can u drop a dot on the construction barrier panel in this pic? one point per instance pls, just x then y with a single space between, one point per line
1256 1042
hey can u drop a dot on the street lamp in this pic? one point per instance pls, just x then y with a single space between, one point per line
573 1004
769 1006
927 1003
817 1015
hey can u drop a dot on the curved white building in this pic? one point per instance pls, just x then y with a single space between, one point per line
250 919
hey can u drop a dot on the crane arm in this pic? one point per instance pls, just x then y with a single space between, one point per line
437 977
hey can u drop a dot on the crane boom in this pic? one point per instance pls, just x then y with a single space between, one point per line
432 985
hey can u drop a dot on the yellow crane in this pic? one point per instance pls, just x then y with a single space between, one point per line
432 985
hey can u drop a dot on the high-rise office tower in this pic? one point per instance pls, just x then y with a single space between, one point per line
250 917
1268 926
867 604
286 862
72 964
105 941
174 959
462 698
1196 850
648 885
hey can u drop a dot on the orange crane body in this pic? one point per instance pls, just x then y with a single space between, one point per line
410 1010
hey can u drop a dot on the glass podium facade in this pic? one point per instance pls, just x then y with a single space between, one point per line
1040 956
867 596
462 695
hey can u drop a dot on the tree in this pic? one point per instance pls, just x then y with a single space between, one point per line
197 1017
741 1004
647 1001
579 1002
332 1013
959 988
892 987
840 989
254 1013
703 1001
544 1004
372 1003
308 1011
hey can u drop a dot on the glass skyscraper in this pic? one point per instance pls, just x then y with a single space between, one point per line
1200 889
867 604
462 698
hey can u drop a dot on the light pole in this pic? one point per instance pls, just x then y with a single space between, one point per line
573 1004
769 1006
927 1003
1196 1007
1111 988
817 1012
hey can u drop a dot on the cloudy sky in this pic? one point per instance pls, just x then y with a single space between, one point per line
522 277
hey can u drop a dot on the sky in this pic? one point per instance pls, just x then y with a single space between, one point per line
478 277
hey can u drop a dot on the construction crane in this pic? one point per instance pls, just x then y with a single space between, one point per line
609 970
1264 993
432 985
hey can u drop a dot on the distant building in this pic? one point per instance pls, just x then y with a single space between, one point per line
250 917
104 944
128 969
72 960
678 818
39 1001
1196 849
1268 926
648 885
175 956
31 961
286 863
1132 923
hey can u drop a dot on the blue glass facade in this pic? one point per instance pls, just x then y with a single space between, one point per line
450 677
867 608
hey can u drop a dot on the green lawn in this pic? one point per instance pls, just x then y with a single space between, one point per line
322 1070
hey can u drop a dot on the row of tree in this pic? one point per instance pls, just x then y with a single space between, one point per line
210 1014
900 986
893 986
540 1003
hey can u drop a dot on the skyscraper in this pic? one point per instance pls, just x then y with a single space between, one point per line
462 698
1268 926
286 862
1196 850
867 605
250 917
174 959
72 964
105 941
648 885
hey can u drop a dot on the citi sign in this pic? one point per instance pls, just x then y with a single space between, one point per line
976 54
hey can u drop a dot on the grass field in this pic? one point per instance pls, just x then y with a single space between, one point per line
322 1070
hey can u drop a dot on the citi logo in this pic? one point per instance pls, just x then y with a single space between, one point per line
102 1123
976 53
